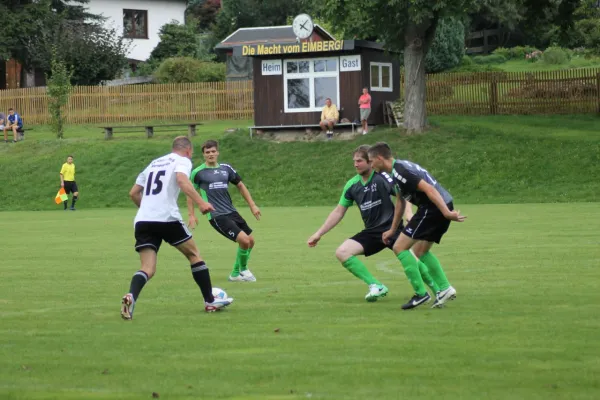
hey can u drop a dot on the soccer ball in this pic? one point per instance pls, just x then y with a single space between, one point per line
219 294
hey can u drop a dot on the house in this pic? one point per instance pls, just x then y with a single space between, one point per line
240 67
139 20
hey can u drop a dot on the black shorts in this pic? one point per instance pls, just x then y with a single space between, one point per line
370 240
151 234
230 225
428 224
71 187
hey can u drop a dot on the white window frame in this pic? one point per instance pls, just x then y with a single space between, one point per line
311 75
380 87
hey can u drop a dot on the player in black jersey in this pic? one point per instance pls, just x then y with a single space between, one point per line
428 225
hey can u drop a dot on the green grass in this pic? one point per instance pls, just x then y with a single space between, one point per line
524 326
478 159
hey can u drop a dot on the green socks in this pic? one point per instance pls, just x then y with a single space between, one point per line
245 266
411 269
435 269
241 261
359 270
427 278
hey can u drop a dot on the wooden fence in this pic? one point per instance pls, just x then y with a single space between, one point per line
100 104
574 91
487 93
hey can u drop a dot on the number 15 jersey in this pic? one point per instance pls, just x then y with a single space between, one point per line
159 179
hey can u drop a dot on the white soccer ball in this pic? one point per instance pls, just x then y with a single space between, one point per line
219 294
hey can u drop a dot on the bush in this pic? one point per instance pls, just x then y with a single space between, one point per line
491 59
514 53
187 70
448 46
468 65
555 56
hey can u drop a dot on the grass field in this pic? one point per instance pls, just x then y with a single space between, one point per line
525 324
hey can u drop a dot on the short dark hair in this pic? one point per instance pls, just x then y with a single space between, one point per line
209 144
182 143
380 149
11 109
70 156
362 151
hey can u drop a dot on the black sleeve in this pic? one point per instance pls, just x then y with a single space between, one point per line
234 177
406 180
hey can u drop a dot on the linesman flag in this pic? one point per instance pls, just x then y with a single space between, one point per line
61 196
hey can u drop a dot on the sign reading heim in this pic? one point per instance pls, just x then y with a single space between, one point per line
294 48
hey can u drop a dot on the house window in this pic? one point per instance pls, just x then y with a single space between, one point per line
307 83
381 77
135 24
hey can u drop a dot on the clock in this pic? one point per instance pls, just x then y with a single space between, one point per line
303 26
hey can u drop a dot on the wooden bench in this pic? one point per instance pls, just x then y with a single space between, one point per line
352 124
149 129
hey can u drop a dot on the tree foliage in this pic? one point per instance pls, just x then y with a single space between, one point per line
203 13
58 90
448 47
410 26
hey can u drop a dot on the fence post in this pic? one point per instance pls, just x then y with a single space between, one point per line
598 92
494 95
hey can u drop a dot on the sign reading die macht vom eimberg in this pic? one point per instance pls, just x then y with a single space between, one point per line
290 48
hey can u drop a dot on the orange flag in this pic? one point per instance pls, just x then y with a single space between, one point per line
61 196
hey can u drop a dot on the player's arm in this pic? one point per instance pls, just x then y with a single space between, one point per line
398 214
183 181
436 198
246 195
192 219
62 178
136 194
332 220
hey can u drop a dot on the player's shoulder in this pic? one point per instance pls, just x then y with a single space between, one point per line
352 181
383 176
226 166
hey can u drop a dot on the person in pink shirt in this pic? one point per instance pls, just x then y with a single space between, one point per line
364 101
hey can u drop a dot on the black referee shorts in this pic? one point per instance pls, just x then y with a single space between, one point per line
70 187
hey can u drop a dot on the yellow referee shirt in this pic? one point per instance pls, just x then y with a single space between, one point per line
68 172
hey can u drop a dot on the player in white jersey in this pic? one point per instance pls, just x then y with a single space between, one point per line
155 193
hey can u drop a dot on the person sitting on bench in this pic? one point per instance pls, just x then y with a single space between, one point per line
15 123
329 117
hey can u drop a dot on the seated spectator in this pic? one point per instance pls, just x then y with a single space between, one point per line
2 120
329 117
15 123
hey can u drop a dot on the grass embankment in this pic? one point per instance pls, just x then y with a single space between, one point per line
522 159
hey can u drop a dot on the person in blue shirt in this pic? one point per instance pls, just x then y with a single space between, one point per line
14 122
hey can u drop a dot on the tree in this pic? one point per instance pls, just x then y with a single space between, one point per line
448 47
58 90
92 52
203 12
410 25
24 21
176 40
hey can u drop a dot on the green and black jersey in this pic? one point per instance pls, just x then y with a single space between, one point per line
372 198
213 183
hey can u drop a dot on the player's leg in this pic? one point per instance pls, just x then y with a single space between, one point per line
362 243
68 190
147 244
430 230
246 239
14 129
201 275
446 291
411 268
5 134
75 195
423 270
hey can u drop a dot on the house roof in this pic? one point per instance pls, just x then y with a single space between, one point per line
266 34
